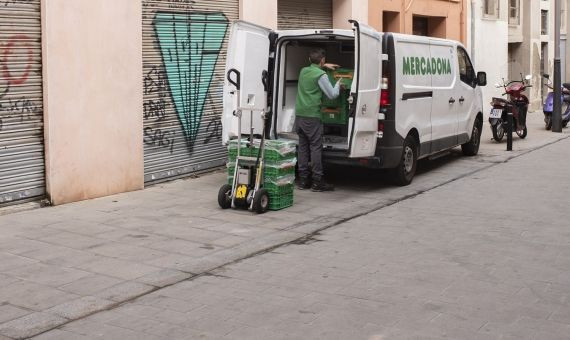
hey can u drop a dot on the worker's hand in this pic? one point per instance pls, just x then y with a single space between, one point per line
331 66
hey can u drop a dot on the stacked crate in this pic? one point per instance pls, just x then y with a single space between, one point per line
279 170
335 111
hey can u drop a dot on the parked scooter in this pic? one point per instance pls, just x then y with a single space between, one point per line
548 106
517 104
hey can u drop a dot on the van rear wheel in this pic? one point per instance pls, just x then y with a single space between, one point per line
404 173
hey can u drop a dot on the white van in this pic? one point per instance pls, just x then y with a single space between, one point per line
412 97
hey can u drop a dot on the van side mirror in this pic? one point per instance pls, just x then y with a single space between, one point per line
481 78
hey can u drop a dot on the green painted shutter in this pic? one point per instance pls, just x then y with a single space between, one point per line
184 56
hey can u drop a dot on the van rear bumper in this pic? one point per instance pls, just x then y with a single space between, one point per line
385 158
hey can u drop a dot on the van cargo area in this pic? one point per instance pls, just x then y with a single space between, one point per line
293 56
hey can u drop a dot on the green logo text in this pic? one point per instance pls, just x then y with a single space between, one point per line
425 66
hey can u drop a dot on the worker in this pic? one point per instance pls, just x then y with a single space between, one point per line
313 83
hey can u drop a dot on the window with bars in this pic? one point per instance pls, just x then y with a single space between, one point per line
514 12
491 8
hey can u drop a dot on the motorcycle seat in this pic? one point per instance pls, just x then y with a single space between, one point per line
500 100
566 86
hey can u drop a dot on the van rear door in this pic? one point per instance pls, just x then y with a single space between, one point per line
247 63
363 122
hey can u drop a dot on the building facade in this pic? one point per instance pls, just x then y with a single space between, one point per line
109 96
435 18
508 38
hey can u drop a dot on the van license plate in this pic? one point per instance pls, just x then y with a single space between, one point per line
496 113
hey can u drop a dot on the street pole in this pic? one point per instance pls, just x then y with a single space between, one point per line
510 124
557 114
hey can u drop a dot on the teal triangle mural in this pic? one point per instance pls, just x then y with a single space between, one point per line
190 45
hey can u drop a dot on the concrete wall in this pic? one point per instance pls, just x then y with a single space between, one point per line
92 72
490 50
261 12
453 12
343 10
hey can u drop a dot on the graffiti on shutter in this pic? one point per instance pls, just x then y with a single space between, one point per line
184 58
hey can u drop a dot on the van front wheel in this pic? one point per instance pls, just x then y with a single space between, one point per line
405 171
471 148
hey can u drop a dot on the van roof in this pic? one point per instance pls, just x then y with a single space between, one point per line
410 37
315 31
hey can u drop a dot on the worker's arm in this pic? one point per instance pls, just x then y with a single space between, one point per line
327 88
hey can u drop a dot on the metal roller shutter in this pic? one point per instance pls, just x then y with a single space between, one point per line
22 171
184 55
302 14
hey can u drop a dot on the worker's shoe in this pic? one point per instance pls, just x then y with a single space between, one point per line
304 184
322 186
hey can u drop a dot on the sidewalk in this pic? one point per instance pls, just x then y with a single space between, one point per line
63 263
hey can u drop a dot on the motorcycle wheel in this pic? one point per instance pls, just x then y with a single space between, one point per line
564 123
548 122
522 132
498 131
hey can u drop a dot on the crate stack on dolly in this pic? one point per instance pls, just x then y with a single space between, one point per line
335 111
278 172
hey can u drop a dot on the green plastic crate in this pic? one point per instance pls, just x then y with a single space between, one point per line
335 111
280 202
271 172
273 156
278 190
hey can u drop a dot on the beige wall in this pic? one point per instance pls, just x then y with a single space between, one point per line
261 12
344 10
454 12
92 71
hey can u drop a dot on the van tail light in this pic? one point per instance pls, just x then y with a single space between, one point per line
384 98
384 94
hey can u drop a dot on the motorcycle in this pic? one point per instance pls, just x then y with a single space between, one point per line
548 106
517 104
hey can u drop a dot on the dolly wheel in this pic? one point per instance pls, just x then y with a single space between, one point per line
225 196
261 201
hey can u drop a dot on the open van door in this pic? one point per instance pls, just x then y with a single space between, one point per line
365 92
246 76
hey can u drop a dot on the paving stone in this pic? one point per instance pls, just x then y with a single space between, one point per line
164 277
72 240
57 334
124 291
34 296
81 307
90 285
30 325
9 312
47 274
126 270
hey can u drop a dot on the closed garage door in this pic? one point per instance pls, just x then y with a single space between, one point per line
300 14
22 172
184 55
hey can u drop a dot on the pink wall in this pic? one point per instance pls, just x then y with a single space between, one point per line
92 74
260 12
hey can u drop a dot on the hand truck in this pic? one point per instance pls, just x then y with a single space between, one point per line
246 190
